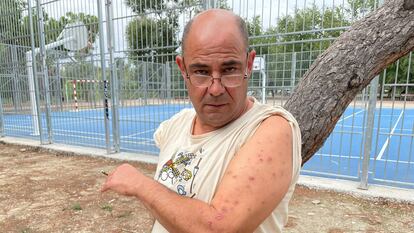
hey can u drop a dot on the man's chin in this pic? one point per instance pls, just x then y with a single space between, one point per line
218 120
210 108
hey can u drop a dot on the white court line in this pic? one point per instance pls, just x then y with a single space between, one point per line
19 129
381 153
357 157
79 136
375 128
396 161
24 129
145 143
79 132
391 115
73 121
132 135
339 156
349 116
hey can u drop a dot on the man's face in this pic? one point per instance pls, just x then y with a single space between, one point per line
214 52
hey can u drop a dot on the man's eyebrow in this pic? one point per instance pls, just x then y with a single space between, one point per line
198 65
232 63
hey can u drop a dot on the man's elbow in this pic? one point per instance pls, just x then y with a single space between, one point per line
219 223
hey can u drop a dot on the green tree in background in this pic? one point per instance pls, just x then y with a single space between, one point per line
308 32
152 34
10 18
358 8
15 28
15 39
311 22
396 75
302 33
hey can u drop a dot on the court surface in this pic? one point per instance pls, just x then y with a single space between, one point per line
391 151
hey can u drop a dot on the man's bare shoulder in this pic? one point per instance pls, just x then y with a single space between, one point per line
275 126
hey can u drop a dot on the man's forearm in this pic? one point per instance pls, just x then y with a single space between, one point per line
178 213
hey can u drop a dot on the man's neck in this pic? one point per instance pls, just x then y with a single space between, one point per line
200 128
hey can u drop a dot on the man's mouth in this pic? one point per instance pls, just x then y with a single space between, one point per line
215 105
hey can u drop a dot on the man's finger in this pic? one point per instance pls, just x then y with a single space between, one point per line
104 188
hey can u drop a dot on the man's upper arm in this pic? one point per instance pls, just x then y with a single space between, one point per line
257 178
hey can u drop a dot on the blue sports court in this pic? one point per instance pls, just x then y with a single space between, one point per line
392 144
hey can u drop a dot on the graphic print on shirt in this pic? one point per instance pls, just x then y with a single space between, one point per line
180 171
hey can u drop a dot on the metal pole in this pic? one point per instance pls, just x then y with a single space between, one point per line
93 86
293 71
103 71
144 81
369 132
44 69
208 4
114 80
263 86
16 87
168 87
264 79
120 68
66 92
75 95
1 119
163 91
32 78
59 85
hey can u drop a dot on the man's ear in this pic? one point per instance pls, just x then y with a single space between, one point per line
180 62
252 55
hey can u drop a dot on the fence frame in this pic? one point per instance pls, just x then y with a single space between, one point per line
112 83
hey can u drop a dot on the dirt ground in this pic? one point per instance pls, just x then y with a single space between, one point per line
44 191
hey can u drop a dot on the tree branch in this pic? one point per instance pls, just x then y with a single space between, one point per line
409 4
348 66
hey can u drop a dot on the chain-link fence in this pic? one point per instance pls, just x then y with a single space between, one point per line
102 73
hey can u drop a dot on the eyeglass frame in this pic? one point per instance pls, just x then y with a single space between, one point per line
245 76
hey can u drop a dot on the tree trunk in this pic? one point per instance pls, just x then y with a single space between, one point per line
347 67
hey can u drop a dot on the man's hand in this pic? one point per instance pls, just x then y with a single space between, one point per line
124 180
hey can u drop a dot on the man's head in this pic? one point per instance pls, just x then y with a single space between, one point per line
241 24
215 44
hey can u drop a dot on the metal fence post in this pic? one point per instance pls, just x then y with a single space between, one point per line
59 86
293 71
103 72
32 79
263 76
120 75
168 79
208 4
369 130
145 81
93 86
44 69
16 87
114 79
1 119
163 89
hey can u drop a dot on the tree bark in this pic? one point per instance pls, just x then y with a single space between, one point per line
348 66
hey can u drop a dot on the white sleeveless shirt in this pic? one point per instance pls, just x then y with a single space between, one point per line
193 165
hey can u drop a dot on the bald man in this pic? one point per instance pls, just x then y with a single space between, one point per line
231 163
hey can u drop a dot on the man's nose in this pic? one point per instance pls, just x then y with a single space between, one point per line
216 88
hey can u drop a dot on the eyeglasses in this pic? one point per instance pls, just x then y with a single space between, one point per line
231 78
227 80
